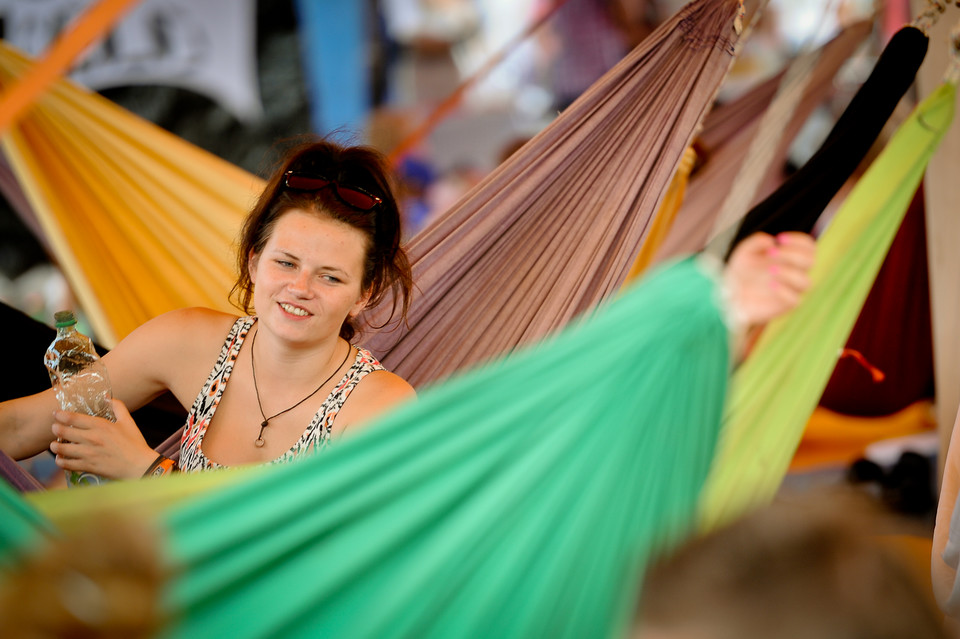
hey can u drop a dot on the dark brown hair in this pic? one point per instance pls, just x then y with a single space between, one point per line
386 268
812 567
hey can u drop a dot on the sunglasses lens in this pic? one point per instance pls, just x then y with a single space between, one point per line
352 197
305 183
356 199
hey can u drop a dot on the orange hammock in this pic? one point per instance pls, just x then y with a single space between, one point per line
140 221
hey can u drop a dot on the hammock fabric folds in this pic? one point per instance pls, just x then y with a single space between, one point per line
897 311
746 142
799 201
776 390
554 230
520 499
140 221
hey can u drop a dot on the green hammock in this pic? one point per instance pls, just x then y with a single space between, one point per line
20 525
776 390
521 499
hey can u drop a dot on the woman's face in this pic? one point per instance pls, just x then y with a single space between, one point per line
308 278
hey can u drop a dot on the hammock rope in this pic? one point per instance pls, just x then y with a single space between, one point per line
448 104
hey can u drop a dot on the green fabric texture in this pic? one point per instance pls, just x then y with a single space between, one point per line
20 524
518 500
774 392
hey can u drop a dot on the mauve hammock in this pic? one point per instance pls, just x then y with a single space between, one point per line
499 504
607 159
663 220
736 160
800 200
719 148
17 199
554 230
16 476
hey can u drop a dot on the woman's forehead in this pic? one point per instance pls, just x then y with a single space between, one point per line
306 230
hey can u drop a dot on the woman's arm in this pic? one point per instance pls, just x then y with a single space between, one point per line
946 553
166 353
25 424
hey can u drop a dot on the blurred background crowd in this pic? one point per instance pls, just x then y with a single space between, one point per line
459 84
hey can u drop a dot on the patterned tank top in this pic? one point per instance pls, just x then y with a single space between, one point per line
314 438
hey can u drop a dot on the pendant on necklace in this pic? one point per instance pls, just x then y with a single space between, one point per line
259 442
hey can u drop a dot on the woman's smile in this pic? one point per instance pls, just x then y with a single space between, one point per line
294 310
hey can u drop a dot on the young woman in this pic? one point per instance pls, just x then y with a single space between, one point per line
321 244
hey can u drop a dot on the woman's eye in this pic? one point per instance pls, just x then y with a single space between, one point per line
285 263
331 278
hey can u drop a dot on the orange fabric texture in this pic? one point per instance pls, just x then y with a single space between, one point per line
140 221
834 439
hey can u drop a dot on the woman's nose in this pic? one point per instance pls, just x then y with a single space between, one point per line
300 283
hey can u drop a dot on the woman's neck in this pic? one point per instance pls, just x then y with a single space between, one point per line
284 363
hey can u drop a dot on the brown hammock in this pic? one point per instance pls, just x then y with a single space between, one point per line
721 149
554 230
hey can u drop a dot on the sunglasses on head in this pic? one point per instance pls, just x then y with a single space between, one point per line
350 195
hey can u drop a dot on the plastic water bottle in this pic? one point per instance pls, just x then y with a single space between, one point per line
80 380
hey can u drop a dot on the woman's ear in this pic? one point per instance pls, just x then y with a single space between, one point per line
360 304
253 260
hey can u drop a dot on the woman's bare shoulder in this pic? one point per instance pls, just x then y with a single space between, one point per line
206 321
389 387
377 393
182 330
169 351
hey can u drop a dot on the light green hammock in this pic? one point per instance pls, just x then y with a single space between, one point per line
521 499
776 390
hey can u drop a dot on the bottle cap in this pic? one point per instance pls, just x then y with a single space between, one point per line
64 318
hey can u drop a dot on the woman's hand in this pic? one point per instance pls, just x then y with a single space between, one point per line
96 445
767 275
